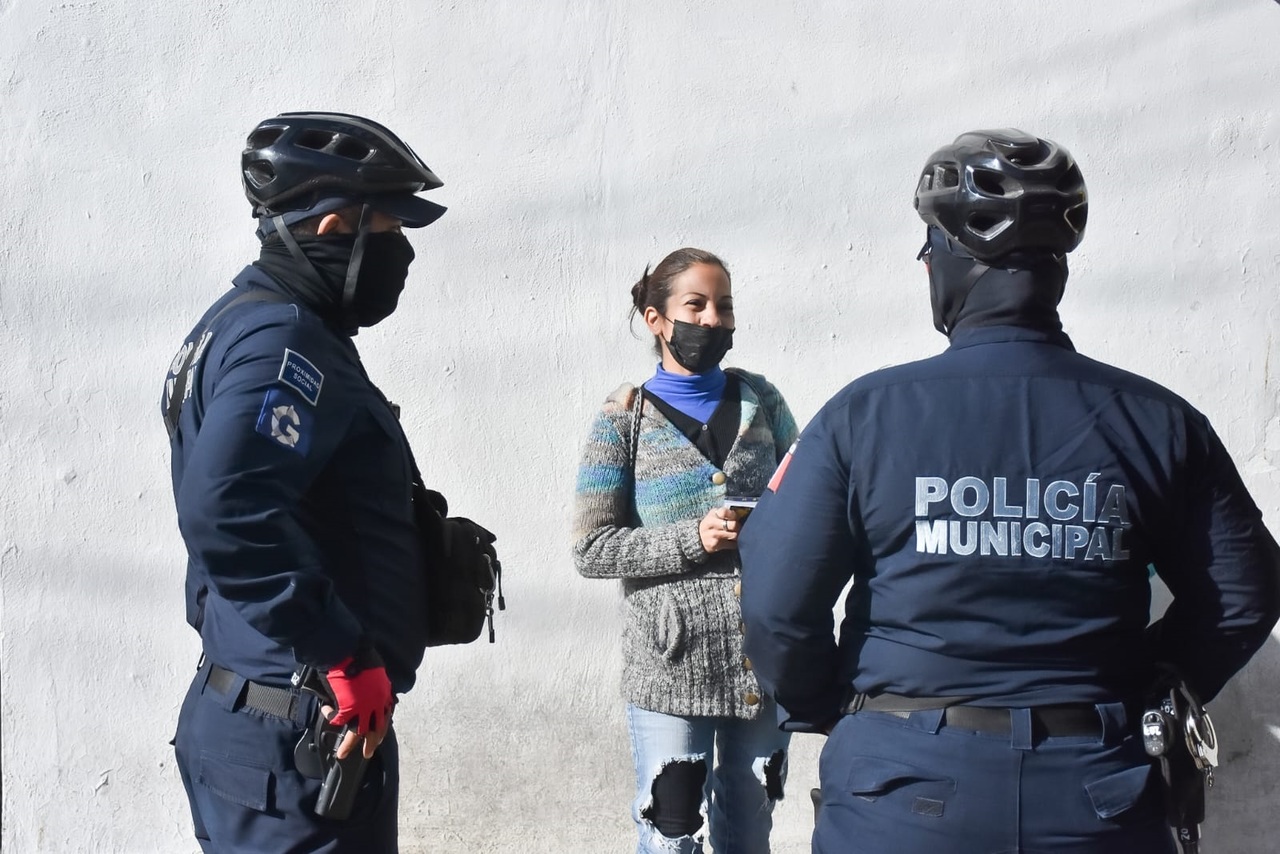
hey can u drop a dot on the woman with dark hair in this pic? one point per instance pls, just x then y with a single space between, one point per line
651 510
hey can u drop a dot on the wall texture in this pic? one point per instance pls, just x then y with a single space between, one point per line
579 140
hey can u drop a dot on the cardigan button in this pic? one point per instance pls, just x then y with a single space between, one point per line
751 698
746 665
737 589
718 478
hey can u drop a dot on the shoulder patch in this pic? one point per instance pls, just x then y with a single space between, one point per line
285 421
299 374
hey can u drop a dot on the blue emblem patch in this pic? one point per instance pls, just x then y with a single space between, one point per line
285 421
299 374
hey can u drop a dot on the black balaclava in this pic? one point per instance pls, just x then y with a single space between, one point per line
1022 289
351 280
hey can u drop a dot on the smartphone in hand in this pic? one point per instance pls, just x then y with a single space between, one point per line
741 505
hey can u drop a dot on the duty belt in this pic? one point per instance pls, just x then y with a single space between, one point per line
1067 719
268 699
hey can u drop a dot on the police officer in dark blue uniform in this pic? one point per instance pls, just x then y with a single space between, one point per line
997 507
293 480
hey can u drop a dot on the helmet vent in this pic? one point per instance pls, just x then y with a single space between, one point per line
1071 180
313 139
1021 154
945 176
987 226
994 183
351 148
262 137
260 173
1076 217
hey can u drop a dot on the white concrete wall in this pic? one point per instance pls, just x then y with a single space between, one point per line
578 140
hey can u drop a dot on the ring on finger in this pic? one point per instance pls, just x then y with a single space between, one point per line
725 522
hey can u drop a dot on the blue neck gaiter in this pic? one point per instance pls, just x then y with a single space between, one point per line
696 396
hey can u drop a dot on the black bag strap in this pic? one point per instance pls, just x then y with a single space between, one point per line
633 435
637 413
178 396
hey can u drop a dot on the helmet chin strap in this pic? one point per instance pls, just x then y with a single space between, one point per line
286 237
966 287
353 266
357 255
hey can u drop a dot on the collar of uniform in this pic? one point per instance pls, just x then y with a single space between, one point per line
973 336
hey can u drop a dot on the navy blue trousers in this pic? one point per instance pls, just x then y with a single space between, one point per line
915 786
246 796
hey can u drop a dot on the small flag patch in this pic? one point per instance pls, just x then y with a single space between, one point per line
781 472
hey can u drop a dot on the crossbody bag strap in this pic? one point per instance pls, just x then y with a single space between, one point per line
633 439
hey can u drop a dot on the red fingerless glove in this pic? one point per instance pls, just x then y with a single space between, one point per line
364 697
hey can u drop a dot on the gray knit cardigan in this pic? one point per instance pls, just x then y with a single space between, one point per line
682 635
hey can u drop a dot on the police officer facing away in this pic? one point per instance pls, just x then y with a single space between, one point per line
292 480
997 507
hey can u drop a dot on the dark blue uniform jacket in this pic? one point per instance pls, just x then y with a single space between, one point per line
997 507
292 479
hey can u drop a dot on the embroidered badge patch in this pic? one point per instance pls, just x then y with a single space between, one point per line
781 471
285 421
300 374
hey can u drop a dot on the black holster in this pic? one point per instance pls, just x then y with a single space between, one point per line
1188 756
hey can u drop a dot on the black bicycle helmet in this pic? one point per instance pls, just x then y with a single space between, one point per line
1000 191
295 160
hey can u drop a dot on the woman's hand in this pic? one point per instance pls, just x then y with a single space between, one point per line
719 530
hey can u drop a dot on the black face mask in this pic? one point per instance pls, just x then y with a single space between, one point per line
321 282
384 266
699 348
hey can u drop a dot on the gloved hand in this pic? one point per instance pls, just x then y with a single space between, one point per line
364 695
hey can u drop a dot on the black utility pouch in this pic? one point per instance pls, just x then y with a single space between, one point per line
462 571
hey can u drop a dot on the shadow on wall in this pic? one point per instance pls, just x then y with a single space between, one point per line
1240 814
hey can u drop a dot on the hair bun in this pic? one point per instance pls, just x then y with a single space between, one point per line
640 290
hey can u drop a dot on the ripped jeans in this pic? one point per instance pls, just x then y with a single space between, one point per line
702 777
